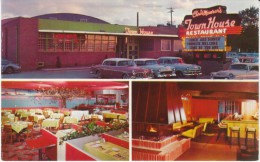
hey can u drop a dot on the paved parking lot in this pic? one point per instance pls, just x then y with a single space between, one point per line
63 73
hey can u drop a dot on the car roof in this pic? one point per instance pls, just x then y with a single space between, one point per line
169 57
249 64
117 59
144 59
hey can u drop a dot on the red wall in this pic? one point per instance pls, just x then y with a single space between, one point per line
204 108
28 43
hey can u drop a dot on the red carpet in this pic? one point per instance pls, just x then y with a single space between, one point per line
19 151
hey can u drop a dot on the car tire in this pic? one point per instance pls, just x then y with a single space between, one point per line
179 74
99 75
125 76
9 70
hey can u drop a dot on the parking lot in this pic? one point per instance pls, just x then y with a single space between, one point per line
63 73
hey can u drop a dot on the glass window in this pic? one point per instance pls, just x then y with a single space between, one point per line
165 45
112 63
59 42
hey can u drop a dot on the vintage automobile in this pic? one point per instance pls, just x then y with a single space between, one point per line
181 69
9 67
158 71
248 59
238 71
120 68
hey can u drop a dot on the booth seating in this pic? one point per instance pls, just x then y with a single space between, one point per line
180 125
206 120
46 142
193 133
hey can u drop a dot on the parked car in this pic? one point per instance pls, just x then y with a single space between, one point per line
9 67
120 68
181 69
238 71
158 71
232 60
248 59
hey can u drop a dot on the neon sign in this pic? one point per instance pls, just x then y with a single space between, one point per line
139 31
210 22
209 11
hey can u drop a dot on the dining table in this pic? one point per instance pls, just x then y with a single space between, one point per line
107 151
37 118
114 115
9 118
70 120
18 126
18 112
56 115
50 123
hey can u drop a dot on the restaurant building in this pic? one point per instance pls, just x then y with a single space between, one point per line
68 40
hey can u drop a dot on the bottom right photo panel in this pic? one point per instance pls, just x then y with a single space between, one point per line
198 121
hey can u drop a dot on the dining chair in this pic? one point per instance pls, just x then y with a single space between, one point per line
29 130
46 114
94 118
8 132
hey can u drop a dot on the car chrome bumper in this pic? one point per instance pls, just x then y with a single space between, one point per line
193 74
165 75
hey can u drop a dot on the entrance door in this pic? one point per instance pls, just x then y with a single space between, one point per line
121 47
132 47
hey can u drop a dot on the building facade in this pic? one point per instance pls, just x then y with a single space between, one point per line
68 40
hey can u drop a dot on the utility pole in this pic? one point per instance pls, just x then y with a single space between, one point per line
171 11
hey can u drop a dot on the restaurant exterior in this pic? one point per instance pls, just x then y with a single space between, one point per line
68 40
205 33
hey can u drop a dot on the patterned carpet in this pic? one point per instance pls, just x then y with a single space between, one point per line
19 151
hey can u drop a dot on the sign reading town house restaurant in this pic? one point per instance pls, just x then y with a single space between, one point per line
206 29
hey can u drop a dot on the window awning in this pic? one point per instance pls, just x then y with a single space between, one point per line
107 33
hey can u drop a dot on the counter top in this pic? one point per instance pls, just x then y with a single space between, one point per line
241 121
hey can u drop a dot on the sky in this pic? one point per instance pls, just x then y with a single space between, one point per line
123 12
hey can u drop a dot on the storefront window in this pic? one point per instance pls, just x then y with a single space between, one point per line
60 42
165 45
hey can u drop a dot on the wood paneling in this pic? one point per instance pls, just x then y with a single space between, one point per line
156 102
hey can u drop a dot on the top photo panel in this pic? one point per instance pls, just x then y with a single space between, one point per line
138 40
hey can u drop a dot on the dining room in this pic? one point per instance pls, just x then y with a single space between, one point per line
198 121
45 120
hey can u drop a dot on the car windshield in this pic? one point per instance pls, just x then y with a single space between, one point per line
5 62
238 67
126 63
151 62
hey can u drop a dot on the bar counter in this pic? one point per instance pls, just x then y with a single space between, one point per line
242 124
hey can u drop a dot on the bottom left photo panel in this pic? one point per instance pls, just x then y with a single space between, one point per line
65 120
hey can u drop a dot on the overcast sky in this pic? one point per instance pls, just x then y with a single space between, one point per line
123 12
